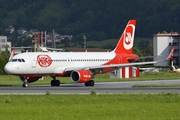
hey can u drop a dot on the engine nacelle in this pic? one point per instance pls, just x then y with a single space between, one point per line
29 79
81 76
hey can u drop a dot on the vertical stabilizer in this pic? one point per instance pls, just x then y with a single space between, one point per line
126 40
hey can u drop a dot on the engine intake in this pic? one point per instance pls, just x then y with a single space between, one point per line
81 76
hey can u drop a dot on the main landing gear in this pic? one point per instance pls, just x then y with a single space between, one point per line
89 83
55 82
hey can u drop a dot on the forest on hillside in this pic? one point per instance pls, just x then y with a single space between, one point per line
104 18
97 19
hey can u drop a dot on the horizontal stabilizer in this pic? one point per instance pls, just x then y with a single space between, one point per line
132 59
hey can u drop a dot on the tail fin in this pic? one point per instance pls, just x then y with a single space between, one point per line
126 40
170 57
12 54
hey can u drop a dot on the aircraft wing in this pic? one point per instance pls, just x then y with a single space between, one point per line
116 66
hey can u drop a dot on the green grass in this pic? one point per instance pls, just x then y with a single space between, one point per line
156 85
87 107
9 80
91 107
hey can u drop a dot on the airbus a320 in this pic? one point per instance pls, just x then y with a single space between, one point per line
81 67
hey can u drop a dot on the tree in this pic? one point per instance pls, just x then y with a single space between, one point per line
148 52
136 51
4 58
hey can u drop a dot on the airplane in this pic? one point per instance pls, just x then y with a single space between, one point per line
81 67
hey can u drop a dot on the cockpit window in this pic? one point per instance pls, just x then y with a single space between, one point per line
23 60
14 60
17 60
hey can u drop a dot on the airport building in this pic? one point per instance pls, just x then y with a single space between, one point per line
4 43
162 45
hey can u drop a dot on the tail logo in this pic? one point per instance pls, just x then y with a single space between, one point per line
129 36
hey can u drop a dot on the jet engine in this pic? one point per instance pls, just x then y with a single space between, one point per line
81 76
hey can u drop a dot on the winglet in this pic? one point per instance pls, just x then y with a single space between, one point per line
170 57
12 54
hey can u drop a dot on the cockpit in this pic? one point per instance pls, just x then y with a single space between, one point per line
17 60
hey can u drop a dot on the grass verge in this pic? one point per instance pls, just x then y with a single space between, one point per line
89 107
156 85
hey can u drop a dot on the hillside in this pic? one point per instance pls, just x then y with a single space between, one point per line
102 19
98 20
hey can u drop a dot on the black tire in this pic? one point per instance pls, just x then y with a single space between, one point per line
57 83
53 82
91 83
86 83
24 85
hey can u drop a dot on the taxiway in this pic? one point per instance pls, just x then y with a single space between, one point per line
99 88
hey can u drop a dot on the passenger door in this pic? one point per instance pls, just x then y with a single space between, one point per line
33 61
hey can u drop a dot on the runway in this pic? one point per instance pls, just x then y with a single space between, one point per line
99 88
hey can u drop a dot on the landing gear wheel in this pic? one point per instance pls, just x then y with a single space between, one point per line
55 83
89 83
25 85
86 83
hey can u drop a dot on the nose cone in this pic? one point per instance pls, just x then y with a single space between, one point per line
9 69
